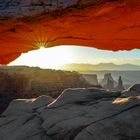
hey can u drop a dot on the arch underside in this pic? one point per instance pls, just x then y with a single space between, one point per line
111 25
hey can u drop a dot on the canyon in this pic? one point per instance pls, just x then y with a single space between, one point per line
61 105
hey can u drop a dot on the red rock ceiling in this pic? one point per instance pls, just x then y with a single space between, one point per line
111 26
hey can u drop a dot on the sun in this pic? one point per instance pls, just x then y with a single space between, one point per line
42 47
46 57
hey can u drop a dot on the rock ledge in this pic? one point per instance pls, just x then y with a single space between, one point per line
77 114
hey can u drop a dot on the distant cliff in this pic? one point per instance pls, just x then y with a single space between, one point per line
31 82
100 67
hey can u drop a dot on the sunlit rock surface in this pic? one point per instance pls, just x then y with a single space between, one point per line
105 24
27 105
77 114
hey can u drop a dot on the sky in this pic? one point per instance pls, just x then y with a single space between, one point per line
61 55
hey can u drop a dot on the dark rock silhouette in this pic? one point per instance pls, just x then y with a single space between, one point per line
109 85
77 114
28 80
132 91
107 77
108 81
135 88
120 86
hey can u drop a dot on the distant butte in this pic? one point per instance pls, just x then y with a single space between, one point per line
105 24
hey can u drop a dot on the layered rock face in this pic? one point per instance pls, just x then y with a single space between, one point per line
23 8
30 82
77 114
105 24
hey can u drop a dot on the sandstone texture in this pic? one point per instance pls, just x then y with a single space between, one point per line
77 114
105 24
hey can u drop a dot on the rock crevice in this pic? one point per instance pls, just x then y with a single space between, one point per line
104 115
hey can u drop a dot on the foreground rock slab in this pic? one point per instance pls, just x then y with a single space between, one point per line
77 114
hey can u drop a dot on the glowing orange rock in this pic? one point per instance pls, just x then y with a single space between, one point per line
111 26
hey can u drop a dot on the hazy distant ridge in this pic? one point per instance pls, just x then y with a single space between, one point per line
101 66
